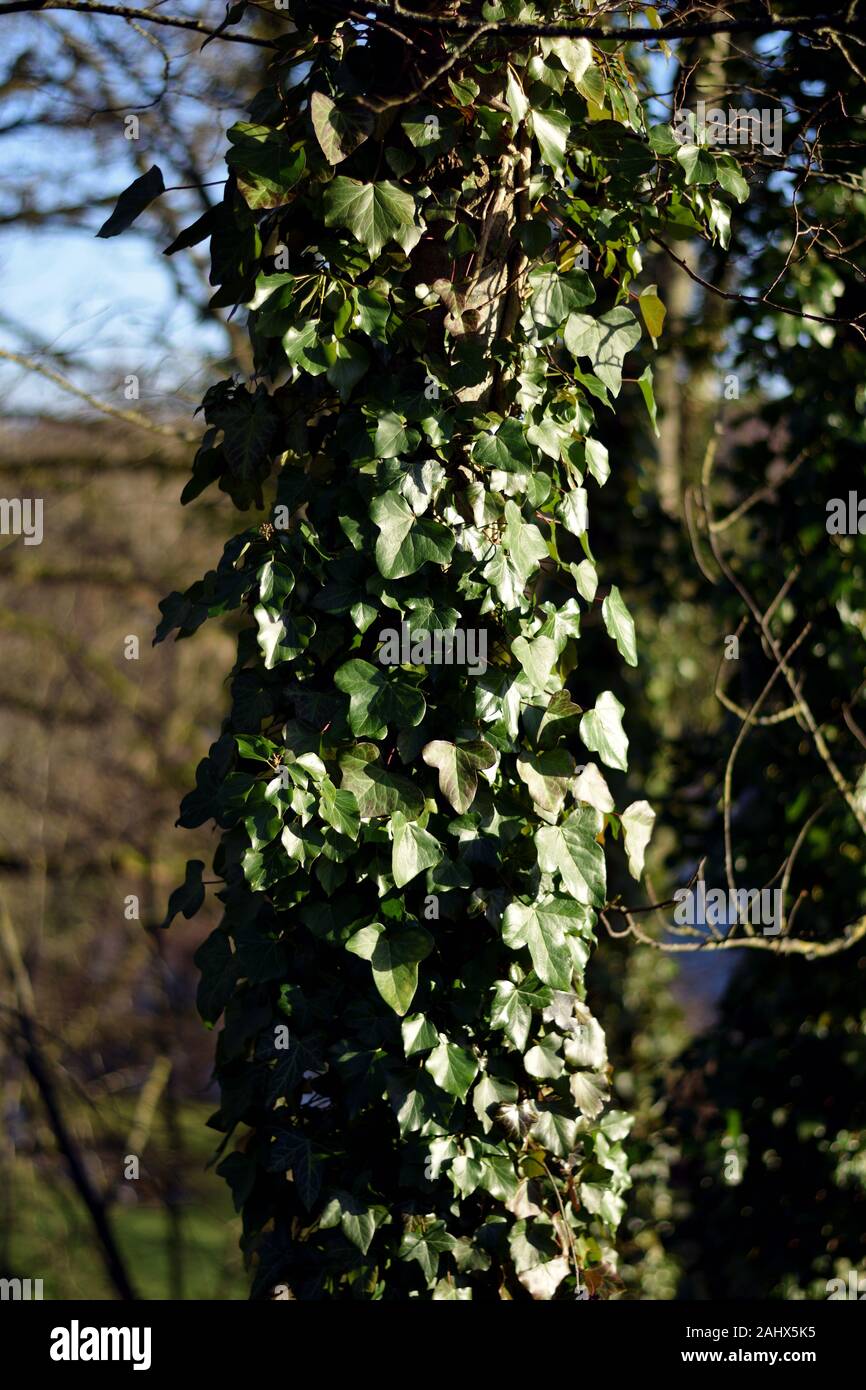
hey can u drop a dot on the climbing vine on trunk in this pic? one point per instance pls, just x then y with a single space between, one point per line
437 241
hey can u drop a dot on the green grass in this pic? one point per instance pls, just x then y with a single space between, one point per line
47 1234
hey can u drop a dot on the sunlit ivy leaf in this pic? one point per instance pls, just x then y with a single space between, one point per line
453 1068
605 341
426 1246
589 1090
645 382
652 311
419 1035
538 657
375 213
458 765
542 927
572 851
406 543
555 295
340 809
555 1131
548 778
597 461
699 164
266 164
543 1060
377 790
377 700
394 955
512 1010
551 129
591 787
573 510
620 625
602 732
281 636
637 823
338 132
413 850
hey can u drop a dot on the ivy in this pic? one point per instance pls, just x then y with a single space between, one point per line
412 854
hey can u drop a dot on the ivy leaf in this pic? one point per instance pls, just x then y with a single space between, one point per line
572 851
505 577
426 1246
573 511
561 716
377 791
219 971
597 461
526 545
375 701
512 1010
266 164
516 99
393 957
556 1132
602 732
453 1068
405 543
339 809
637 823
189 897
589 1090
375 213
260 957
293 1151
552 129
652 310
419 1035
490 1093
458 765
538 1260
413 850
556 295
350 362
605 341
133 201
338 132
591 787
730 178
357 1221
699 164
543 1061
281 637
620 625
390 439
574 54
548 776
645 382
538 658
542 928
